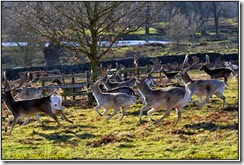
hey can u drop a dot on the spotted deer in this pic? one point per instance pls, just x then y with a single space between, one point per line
202 88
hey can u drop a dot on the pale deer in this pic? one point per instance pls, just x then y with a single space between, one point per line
164 98
202 88
111 101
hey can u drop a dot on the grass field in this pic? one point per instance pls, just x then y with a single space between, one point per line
208 133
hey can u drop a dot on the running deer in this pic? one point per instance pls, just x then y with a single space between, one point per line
26 108
111 101
29 93
218 72
110 85
164 98
202 88
126 90
57 109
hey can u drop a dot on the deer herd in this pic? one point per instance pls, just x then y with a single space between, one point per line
114 92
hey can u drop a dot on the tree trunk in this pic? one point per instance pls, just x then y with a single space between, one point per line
216 22
216 18
147 22
94 69
93 77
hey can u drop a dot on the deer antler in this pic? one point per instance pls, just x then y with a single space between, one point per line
195 61
137 67
207 59
185 62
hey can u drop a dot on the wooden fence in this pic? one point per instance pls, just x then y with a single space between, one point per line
73 85
76 85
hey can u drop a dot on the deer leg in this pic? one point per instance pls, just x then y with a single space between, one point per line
200 99
115 112
205 101
39 120
179 111
105 112
13 124
225 79
146 107
26 121
6 126
123 113
8 113
150 112
141 97
165 115
49 113
97 109
65 118
221 96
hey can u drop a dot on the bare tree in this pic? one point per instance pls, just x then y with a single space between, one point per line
194 23
178 28
216 13
25 46
218 9
81 26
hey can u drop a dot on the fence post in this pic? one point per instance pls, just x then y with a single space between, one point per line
160 76
73 89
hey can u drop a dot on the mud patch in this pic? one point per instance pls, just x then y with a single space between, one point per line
110 138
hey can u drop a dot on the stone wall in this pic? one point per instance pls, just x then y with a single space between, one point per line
12 74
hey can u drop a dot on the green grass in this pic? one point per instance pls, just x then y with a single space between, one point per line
208 133
141 31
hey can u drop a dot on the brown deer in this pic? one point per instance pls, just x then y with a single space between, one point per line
26 108
218 72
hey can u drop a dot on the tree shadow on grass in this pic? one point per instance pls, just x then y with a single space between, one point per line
79 126
212 126
85 136
71 127
56 137
46 127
